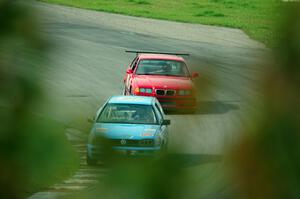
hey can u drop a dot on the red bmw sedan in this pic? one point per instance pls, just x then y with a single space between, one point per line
164 76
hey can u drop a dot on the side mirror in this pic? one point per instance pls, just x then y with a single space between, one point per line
195 75
90 120
166 122
129 71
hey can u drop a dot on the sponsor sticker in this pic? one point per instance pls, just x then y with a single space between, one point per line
101 130
148 132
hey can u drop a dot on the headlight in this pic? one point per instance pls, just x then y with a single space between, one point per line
184 92
145 90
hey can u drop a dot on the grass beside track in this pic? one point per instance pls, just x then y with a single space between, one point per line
256 17
49 157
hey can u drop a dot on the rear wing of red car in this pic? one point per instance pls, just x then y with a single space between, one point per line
156 52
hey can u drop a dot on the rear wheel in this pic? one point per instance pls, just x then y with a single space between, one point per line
126 91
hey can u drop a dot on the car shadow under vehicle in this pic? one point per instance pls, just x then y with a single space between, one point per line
208 107
181 160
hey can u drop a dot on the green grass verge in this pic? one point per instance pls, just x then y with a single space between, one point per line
47 156
256 17
128 179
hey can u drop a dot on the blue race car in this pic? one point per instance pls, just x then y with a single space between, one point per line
132 125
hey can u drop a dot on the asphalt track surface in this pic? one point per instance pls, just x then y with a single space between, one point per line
88 62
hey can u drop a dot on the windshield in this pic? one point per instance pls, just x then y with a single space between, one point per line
162 67
127 113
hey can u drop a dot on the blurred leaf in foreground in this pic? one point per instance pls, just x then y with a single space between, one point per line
268 160
32 147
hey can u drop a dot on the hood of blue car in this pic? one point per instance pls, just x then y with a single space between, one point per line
125 131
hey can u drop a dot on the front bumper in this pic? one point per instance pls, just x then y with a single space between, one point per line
176 103
97 152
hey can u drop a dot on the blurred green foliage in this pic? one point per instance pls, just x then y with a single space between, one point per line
32 147
267 161
172 175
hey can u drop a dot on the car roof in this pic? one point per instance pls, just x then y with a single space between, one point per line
160 56
130 99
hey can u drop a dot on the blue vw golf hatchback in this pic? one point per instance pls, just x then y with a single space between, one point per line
132 125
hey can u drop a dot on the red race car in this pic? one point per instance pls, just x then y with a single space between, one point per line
164 76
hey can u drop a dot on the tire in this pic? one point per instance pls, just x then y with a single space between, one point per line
164 148
124 91
130 91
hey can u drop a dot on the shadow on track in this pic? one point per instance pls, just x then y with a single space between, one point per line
190 160
215 107
209 107
181 160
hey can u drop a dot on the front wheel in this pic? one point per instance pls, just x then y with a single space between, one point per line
124 91
164 148
90 161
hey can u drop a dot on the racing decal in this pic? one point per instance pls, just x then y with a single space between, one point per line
101 130
148 132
